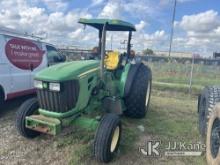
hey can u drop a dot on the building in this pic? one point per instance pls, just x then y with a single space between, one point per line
216 55
174 54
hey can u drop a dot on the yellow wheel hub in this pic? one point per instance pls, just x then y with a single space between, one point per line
115 139
148 93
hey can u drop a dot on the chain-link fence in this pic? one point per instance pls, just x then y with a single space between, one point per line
185 76
181 75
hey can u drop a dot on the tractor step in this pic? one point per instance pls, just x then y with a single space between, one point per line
43 124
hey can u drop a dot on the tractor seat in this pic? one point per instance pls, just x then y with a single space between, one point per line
112 60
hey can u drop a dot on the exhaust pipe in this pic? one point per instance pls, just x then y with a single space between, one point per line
103 51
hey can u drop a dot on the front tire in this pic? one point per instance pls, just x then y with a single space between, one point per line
213 137
107 138
28 108
137 102
206 102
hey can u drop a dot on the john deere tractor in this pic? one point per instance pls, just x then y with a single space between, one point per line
67 92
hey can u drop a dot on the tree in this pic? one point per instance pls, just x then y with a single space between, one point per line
148 52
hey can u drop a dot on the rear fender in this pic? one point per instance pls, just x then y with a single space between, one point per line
2 92
127 78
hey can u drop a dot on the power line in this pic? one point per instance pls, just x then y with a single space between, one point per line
172 28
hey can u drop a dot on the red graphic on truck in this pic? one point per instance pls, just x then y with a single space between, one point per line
24 54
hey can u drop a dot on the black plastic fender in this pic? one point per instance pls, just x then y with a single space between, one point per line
131 75
2 96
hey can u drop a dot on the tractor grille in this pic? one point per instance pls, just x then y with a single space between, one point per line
61 101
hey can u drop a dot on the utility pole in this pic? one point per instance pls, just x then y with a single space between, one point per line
172 27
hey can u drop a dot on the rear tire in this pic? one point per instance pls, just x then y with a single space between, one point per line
137 102
2 99
213 137
107 138
28 108
206 102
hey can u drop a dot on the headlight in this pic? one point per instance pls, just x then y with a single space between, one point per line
38 84
54 87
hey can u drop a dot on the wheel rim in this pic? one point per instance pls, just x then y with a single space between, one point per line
215 138
148 93
115 139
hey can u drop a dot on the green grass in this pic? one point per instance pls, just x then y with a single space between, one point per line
180 73
172 117
177 87
176 118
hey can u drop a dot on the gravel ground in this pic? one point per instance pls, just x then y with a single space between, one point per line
164 121
15 150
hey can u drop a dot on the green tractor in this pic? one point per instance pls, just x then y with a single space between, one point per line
67 92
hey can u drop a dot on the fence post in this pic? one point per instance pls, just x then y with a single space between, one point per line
191 75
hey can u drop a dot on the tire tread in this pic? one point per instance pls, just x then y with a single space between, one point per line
211 94
26 109
103 137
135 101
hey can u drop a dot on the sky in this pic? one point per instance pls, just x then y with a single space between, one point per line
196 30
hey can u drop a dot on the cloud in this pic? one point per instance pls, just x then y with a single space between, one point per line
111 10
202 22
171 2
76 34
124 8
141 25
20 16
65 25
137 6
156 40
198 33
56 5
96 2
59 27
140 40
140 9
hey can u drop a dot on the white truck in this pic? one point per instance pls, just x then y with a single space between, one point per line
21 56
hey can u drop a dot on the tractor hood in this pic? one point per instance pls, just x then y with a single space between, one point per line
68 70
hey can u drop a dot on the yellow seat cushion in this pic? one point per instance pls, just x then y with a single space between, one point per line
111 60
